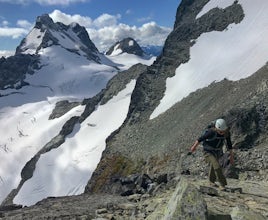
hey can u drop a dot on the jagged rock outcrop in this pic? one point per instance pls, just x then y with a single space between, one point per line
127 45
14 70
185 203
61 108
156 150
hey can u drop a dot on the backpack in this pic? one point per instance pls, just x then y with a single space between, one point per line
211 125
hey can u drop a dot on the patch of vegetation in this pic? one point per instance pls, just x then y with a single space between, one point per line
112 168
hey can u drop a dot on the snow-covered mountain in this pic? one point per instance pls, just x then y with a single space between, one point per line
147 115
55 62
130 51
46 33
127 45
67 63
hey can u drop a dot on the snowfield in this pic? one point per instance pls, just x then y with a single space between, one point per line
67 169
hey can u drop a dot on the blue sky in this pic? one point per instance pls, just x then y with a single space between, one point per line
148 21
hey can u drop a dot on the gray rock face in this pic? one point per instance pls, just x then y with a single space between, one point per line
13 70
140 138
127 45
61 108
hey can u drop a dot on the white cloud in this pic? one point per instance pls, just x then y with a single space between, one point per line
22 28
147 34
13 32
59 16
24 24
6 53
4 23
105 30
128 12
43 2
106 20
58 2
144 19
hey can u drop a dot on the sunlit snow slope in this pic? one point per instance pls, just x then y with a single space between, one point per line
67 169
234 53
25 130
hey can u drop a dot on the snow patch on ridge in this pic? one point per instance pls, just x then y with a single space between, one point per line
214 4
32 41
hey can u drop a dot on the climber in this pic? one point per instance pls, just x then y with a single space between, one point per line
213 140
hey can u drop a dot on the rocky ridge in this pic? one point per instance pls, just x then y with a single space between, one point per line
183 197
14 69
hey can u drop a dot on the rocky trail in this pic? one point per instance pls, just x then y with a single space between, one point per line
182 197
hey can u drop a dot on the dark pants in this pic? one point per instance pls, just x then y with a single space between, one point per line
215 171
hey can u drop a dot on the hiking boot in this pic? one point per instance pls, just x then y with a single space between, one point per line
213 184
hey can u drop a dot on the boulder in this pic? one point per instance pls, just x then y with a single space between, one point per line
186 202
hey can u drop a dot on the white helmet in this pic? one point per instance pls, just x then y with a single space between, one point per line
221 124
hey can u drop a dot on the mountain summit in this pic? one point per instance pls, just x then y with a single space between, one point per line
127 45
46 33
54 60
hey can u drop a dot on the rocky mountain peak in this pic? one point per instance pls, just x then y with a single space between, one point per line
46 33
127 45
43 22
